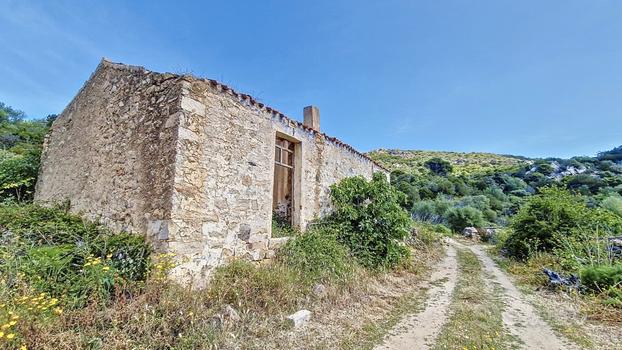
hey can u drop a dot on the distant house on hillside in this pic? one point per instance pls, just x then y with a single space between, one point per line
197 167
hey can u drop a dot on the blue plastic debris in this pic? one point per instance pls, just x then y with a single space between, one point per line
556 279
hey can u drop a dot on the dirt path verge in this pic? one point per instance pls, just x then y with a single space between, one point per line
419 331
454 317
519 316
355 318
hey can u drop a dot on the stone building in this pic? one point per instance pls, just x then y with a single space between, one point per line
197 167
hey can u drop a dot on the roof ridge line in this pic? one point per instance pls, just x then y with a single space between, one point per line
252 101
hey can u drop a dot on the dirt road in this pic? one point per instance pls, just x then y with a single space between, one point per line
519 318
423 328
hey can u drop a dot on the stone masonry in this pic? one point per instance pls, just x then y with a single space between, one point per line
187 162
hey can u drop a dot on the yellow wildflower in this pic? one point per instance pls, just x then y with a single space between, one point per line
58 310
10 336
23 347
106 268
15 317
12 323
1 334
5 326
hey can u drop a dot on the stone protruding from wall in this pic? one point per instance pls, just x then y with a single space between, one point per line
312 117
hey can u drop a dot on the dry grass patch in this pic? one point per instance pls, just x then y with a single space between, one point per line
476 311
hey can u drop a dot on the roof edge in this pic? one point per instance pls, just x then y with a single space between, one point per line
105 62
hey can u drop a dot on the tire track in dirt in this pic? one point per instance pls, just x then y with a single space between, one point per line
419 331
519 316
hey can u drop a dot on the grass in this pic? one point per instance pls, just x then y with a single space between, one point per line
126 301
566 315
425 251
371 333
529 277
475 321
566 326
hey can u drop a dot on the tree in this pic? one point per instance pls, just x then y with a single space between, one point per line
613 155
552 212
20 152
8 114
461 217
439 166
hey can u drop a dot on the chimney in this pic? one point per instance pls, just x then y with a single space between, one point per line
312 118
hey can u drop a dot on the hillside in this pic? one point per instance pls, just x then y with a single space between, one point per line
412 161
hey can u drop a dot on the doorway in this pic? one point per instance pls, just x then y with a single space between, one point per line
283 190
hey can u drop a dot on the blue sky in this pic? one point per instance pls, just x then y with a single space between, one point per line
534 78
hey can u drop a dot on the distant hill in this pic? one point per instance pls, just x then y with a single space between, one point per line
412 161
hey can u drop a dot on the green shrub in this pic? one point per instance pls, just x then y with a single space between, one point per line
20 143
555 218
461 217
433 211
479 202
442 229
56 252
318 256
50 268
40 225
17 175
129 254
601 278
370 220
438 166
429 234
490 215
554 211
613 203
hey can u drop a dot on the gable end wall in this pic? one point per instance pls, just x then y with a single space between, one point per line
222 193
111 152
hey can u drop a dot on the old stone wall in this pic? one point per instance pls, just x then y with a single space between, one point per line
222 196
111 151
187 162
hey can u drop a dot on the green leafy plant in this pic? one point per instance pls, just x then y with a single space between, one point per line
602 278
21 144
461 217
58 253
370 220
552 212
613 203
318 256
439 166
